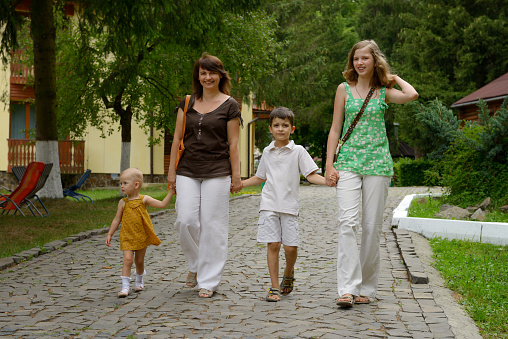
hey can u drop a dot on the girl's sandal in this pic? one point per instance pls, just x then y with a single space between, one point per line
204 293
273 294
191 279
347 300
287 284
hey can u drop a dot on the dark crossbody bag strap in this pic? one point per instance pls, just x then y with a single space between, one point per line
353 124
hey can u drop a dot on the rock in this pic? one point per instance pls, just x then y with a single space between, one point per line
444 207
478 215
472 209
454 213
422 201
504 208
485 204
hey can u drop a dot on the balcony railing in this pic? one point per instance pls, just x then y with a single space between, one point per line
20 73
71 153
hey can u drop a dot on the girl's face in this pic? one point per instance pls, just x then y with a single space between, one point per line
209 79
363 62
128 185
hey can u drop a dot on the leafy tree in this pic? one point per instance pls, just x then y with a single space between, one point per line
43 33
143 63
316 37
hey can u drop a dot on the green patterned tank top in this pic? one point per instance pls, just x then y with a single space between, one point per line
366 151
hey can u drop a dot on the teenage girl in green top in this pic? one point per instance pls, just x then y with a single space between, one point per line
363 167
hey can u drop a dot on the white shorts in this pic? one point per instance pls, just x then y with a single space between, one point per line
278 227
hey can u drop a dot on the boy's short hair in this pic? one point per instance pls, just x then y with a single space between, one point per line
282 113
134 173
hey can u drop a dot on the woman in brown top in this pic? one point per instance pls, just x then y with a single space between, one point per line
208 171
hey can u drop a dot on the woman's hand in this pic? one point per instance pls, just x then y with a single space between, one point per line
171 179
236 184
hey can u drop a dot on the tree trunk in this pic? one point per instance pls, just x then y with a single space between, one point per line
43 33
126 124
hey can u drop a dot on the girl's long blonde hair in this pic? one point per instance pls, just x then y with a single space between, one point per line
382 70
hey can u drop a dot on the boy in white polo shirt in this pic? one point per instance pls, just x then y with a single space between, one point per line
280 166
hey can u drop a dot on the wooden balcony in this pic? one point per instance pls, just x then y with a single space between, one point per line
71 153
20 74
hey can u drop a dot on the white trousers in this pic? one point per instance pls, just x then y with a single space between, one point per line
358 269
202 222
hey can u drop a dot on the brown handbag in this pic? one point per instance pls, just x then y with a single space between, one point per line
181 147
353 124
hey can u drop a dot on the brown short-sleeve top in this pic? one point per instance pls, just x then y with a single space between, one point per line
206 144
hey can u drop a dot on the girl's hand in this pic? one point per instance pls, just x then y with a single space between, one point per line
332 176
108 240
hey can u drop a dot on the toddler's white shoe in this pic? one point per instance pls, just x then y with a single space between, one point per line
123 293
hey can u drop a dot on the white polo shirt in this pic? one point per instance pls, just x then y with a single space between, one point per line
281 167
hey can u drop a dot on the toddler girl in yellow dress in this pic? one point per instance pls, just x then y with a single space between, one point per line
137 230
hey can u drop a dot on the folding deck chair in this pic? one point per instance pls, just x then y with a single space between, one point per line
71 191
18 198
19 171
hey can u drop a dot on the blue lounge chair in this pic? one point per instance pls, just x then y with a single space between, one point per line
71 191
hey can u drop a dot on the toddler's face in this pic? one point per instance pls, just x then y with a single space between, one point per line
281 129
128 184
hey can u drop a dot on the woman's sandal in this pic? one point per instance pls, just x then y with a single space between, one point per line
191 279
287 284
362 299
273 294
346 300
204 293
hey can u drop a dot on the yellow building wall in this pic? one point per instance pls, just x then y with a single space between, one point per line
5 73
102 155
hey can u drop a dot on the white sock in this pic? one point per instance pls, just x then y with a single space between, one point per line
139 278
125 282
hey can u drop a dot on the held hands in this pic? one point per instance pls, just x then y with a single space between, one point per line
236 184
332 176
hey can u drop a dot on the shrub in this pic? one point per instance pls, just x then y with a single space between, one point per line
410 172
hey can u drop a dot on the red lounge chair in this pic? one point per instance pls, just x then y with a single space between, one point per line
19 171
18 198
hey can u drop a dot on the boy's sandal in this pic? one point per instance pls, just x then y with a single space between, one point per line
123 293
192 279
204 293
273 294
362 300
347 300
286 285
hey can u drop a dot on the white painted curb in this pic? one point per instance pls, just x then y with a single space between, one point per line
486 232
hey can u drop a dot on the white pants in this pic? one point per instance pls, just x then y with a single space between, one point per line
358 270
202 222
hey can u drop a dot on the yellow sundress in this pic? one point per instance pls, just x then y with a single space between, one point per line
137 230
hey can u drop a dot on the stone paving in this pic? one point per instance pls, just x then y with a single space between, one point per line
71 291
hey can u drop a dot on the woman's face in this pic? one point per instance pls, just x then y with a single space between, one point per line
209 79
363 62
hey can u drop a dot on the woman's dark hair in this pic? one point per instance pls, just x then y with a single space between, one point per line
212 64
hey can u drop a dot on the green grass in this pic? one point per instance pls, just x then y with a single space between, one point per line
479 274
432 206
68 217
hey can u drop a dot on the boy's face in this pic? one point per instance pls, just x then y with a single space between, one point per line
281 129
